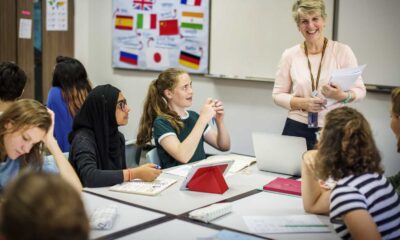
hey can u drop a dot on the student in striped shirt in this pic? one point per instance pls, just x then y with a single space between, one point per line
363 204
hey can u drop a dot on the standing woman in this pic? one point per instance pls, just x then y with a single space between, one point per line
25 129
97 147
302 79
69 89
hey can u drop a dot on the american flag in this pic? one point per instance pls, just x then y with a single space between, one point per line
143 4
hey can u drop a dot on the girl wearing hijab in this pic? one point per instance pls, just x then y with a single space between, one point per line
97 147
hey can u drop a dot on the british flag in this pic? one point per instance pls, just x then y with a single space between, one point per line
143 4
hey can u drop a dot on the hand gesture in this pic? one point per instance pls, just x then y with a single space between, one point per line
50 133
314 104
219 110
207 112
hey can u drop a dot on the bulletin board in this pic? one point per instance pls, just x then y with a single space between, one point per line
158 34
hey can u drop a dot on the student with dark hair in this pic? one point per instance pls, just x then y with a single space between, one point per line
98 147
12 83
363 204
70 87
42 206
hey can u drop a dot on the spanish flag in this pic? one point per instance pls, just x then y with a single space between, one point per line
124 22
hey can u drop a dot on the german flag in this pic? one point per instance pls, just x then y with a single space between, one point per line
189 60
124 22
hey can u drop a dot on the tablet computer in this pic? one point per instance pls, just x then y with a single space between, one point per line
200 169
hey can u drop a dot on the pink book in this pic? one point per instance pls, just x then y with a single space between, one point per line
283 185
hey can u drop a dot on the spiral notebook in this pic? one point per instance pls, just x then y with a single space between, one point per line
138 186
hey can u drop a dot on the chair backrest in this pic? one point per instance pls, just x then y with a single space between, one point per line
132 154
152 157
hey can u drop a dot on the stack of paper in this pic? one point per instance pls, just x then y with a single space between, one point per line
345 78
285 224
145 188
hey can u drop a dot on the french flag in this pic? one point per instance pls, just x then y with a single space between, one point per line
191 2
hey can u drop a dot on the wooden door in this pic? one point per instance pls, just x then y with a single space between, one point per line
55 43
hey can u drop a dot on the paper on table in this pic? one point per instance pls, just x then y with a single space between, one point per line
285 224
182 170
345 78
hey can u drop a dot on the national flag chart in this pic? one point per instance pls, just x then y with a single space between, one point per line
159 34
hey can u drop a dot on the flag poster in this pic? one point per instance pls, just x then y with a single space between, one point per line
159 34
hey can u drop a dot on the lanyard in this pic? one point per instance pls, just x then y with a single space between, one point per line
319 68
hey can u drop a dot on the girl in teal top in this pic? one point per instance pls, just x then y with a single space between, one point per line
179 134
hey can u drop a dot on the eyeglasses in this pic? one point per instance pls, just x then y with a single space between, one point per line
123 105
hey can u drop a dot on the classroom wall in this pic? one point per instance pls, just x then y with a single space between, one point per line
249 106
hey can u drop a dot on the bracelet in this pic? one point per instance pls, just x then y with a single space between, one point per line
348 98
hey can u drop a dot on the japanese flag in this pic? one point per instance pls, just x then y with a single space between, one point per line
157 57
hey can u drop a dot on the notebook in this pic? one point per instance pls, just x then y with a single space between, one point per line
278 153
284 185
138 186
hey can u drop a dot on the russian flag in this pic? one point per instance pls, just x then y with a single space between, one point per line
191 2
127 55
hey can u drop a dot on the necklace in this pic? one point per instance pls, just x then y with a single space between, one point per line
315 86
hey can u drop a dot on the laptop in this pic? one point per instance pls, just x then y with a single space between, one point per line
278 153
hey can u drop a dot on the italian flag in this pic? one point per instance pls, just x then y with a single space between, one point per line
146 21
193 20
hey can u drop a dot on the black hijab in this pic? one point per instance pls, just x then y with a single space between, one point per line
98 114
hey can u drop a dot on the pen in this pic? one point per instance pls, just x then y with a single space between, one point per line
213 120
157 167
305 225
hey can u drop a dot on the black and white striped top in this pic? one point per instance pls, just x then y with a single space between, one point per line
371 192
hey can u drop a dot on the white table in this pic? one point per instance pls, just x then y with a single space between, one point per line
176 202
270 204
128 216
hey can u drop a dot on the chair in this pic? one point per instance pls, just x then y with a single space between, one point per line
132 154
152 157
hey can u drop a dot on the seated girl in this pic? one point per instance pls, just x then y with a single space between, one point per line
179 133
26 128
363 204
97 147
70 86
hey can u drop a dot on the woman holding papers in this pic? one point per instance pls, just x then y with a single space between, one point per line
26 129
97 147
395 125
179 134
362 204
302 80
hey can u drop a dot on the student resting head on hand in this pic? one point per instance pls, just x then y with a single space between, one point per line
179 133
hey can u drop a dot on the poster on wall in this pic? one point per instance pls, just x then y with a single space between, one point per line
57 15
158 34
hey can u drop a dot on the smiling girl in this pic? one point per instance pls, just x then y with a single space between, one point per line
179 133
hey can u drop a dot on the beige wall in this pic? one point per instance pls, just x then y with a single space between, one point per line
249 106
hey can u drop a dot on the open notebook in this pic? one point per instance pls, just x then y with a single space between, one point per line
138 186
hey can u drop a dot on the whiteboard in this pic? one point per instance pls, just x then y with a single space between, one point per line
248 37
371 28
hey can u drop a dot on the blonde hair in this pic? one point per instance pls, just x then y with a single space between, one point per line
396 109
346 146
157 105
308 7
40 205
24 114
